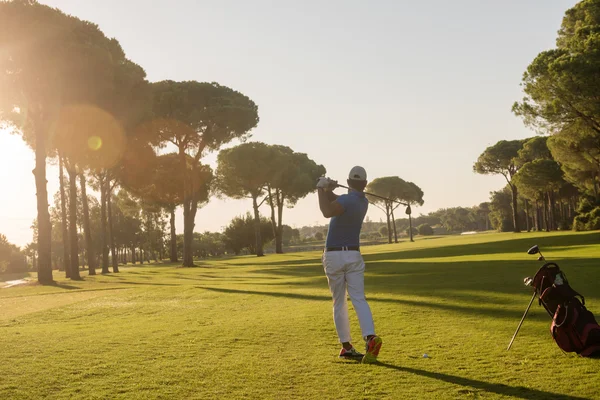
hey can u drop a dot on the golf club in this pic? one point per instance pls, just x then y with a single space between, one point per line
521 323
375 195
527 281
536 250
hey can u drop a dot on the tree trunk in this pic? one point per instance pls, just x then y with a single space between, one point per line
570 210
546 216
44 239
514 192
173 237
280 201
89 245
394 224
410 227
273 220
257 236
274 224
537 216
63 216
74 247
133 255
188 234
111 235
388 208
527 215
188 218
103 223
551 214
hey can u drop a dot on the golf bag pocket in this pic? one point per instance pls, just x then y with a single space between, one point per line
554 295
575 329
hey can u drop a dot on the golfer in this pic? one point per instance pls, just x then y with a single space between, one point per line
343 263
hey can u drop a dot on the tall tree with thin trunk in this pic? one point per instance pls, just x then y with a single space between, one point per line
411 194
244 172
87 232
502 159
197 117
48 60
73 246
63 214
163 188
103 224
293 177
540 179
390 187
111 236
561 96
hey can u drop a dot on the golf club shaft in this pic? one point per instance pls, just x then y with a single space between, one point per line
522 319
375 195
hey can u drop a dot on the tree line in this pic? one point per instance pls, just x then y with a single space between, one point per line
78 101
553 179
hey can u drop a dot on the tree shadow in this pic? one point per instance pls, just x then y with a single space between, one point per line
511 245
496 388
149 284
495 312
64 286
449 279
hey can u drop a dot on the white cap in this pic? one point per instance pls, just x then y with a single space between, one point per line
357 174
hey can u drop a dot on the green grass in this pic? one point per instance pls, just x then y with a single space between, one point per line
248 328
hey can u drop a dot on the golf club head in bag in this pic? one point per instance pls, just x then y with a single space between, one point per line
534 250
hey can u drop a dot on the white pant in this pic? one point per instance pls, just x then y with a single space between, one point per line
346 270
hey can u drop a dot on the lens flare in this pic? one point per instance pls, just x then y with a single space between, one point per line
88 137
95 143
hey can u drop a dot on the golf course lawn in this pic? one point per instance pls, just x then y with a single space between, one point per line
261 328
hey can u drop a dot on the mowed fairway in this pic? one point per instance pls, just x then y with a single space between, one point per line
248 328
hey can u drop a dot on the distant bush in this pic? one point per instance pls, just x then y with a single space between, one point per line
425 230
589 221
415 231
11 258
564 225
383 231
319 235
374 235
17 263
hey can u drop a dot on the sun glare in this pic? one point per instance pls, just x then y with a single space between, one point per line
95 143
88 135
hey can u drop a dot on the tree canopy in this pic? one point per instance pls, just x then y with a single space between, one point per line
50 61
502 159
196 117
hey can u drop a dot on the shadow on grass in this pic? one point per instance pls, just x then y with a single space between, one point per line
73 288
149 284
519 392
13 276
496 312
510 245
449 279
65 286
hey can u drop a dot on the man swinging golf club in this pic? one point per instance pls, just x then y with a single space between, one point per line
343 263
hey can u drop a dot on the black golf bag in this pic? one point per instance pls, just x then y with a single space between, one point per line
573 328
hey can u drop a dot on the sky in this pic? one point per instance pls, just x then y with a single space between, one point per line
416 89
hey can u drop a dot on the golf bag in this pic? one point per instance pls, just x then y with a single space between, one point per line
573 328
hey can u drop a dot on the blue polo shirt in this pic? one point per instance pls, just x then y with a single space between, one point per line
344 230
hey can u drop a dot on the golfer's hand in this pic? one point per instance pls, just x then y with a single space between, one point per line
323 183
